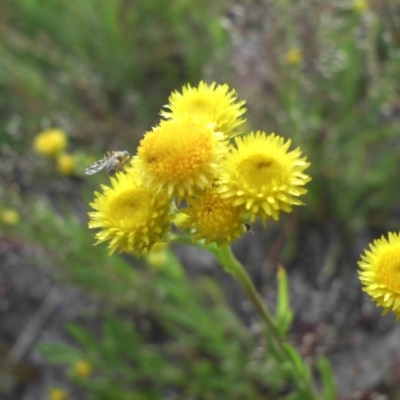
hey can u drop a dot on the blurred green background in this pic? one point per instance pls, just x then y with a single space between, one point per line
325 74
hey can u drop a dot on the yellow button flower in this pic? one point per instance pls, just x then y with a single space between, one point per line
58 394
158 255
379 272
213 103
130 215
51 142
215 219
263 176
360 5
82 368
181 155
293 56
9 217
66 164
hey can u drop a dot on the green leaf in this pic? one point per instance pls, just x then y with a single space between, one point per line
59 353
85 338
295 357
328 383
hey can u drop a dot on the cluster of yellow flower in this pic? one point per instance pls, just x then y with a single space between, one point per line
198 171
52 143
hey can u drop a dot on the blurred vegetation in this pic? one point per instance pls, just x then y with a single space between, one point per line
101 67
332 85
101 70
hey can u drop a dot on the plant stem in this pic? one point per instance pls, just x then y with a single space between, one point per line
229 262
227 259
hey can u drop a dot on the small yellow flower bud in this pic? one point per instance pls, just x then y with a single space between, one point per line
360 5
9 217
51 142
66 164
158 256
58 394
83 369
293 56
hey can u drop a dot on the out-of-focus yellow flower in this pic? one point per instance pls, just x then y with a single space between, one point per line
293 56
181 155
158 255
263 176
58 394
66 164
213 103
215 219
360 5
82 368
380 273
130 215
9 217
51 142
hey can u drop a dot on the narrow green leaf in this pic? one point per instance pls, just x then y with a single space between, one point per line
86 339
328 383
59 353
295 357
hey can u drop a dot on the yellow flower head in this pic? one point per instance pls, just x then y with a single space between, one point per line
214 103
51 142
215 219
293 56
380 272
181 156
158 256
130 215
66 164
360 5
9 217
82 368
58 394
263 176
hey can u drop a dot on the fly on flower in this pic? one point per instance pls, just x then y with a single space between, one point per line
113 160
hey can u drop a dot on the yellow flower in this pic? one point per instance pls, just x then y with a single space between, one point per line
214 103
380 272
50 142
82 368
9 217
158 255
181 156
130 215
293 56
263 176
215 219
66 164
360 5
58 394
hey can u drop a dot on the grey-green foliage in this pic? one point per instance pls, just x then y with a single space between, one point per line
114 61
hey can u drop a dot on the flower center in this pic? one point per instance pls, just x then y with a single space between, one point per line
388 268
200 105
129 209
261 170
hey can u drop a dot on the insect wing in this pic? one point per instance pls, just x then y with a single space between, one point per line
96 166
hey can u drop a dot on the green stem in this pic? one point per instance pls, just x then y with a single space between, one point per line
229 262
226 258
